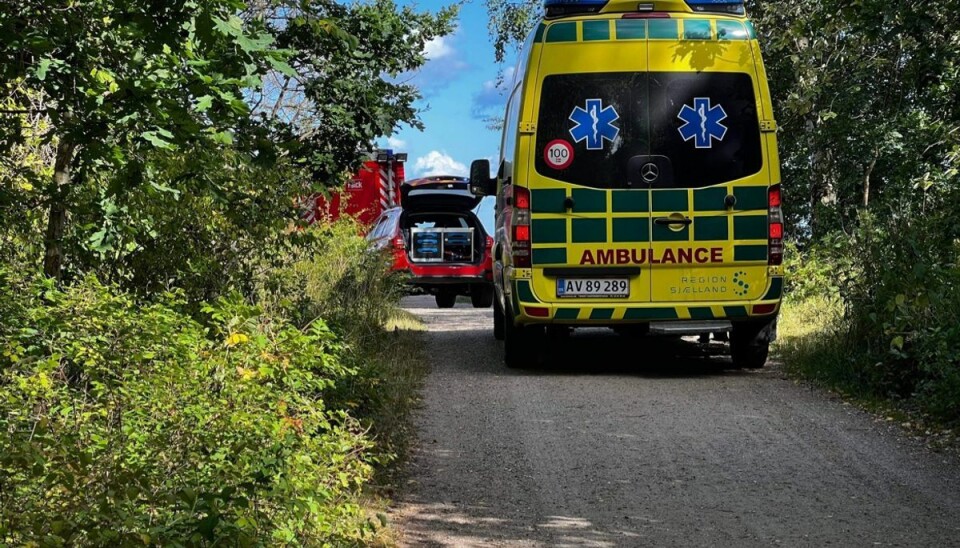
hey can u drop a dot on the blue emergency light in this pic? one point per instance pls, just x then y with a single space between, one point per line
717 6
557 8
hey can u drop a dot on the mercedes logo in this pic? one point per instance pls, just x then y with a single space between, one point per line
650 172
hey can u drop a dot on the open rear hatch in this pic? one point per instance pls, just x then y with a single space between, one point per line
439 193
438 226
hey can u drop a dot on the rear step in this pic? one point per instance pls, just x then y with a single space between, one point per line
689 328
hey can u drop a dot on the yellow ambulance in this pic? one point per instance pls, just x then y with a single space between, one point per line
638 185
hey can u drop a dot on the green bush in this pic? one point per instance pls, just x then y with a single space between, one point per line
123 424
898 337
333 273
903 304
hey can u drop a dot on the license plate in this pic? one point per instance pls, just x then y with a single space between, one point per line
593 287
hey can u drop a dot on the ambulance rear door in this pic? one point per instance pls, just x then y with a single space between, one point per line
708 199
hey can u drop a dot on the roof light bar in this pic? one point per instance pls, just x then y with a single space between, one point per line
556 8
560 8
734 7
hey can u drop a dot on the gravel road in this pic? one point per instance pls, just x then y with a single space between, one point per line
667 449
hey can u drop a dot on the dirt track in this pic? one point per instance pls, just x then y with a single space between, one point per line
669 449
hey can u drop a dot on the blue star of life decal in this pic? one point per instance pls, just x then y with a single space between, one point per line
702 122
594 124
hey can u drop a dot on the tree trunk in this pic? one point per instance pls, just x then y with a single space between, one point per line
866 178
53 258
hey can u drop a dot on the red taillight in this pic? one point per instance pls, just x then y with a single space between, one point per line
774 196
521 233
398 242
521 198
776 231
489 242
537 311
764 308
520 245
775 216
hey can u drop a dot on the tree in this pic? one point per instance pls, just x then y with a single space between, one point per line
130 90
343 92
121 76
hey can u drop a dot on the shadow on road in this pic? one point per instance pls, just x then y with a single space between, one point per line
601 352
651 441
597 352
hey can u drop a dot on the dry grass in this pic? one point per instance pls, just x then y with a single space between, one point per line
811 345
402 370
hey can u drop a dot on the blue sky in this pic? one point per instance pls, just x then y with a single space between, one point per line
458 88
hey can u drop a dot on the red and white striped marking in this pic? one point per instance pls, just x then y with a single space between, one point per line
386 193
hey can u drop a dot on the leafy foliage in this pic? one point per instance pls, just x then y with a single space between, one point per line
139 155
334 274
128 91
134 425
866 96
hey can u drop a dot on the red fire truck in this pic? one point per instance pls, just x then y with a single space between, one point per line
374 188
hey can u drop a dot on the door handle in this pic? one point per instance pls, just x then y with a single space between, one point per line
672 221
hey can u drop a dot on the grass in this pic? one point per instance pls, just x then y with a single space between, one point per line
810 344
401 368
812 347
403 320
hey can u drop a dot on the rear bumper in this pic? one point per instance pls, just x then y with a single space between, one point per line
448 280
677 316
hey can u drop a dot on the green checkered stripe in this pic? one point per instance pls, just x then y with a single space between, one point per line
623 216
524 294
645 29
647 314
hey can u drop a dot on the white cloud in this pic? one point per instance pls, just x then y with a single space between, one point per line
444 64
437 48
396 144
492 97
438 163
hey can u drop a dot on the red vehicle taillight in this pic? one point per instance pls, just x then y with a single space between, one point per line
521 227
775 252
397 242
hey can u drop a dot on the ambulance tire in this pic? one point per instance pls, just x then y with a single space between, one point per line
521 344
749 345
481 296
497 320
446 299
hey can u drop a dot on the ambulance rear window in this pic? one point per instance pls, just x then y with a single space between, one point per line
595 129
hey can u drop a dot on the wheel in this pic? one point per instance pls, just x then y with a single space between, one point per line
497 320
446 299
750 344
521 344
481 296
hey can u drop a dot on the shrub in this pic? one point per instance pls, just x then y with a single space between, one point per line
899 333
123 424
904 307
333 273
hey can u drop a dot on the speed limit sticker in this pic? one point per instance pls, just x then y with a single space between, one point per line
558 154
